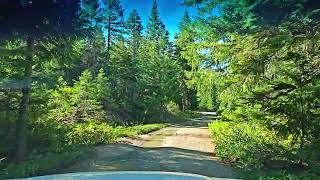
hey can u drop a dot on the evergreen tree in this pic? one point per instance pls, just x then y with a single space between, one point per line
264 57
103 92
110 16
123 78
184 38
134 28
185 22
88 15
79 103
157 79
36 20
95 52
134 25
155 28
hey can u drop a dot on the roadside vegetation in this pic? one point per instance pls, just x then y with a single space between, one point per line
258 62
258 152
69 145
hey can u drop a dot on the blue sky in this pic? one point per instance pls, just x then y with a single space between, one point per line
171 12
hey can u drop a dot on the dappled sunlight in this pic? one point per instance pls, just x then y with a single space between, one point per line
133 158
174 149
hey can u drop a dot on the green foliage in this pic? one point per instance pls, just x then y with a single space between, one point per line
90 133
82 83
110 16
271 175
93 57
88 14
7 134
134 28
263 57
184 38
123 70
205 90
80 102
74 142
244 145
137 130
134 25
94 133
173 108
51 162
157 77
155 28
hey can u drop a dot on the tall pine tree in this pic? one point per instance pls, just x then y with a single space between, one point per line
33 20
155 28
134 28
184 38
88 15
110 17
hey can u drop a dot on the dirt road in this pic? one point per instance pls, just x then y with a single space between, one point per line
184 148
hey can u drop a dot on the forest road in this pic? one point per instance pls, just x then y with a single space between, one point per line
185 147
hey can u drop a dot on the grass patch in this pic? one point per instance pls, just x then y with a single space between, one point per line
137 130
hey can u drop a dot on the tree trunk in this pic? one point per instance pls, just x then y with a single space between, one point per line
302 113
302 124
21 130
7 106
108 45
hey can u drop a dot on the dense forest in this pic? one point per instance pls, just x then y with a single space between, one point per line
75 74
262 59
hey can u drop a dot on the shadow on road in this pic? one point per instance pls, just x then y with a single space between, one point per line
181 147
124 157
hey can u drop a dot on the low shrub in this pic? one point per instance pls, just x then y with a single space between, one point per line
78 139
94 133
91 133
244 145
48 163
173 108
279 174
